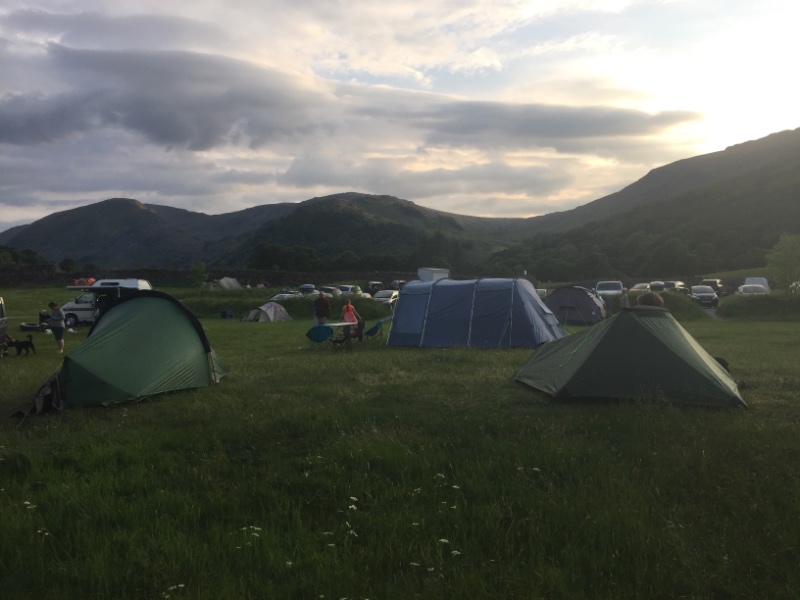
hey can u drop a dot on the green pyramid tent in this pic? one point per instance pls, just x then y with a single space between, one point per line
144 344
639 352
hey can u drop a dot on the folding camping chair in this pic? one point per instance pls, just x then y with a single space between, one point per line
376 331
319 335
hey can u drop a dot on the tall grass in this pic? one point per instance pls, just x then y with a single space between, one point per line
401 473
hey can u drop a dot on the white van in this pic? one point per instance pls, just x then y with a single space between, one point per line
88 305
609 288
757 281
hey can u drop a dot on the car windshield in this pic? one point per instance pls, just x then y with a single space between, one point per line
702 289
384 294
641 286
605 286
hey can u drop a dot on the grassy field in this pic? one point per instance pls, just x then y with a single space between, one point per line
393 473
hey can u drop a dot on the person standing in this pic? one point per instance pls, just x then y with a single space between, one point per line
322 309
350 315
57 325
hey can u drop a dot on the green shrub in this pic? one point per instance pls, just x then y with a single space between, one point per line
777 306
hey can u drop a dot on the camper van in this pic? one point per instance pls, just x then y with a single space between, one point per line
86 308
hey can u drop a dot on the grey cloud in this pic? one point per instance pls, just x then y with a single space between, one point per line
496 124
172 98
92 30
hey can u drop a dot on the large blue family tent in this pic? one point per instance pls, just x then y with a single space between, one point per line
476 313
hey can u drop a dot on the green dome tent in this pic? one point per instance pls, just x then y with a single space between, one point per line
639 352
145 344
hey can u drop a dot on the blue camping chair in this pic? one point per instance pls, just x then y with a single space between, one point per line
319 335
376 331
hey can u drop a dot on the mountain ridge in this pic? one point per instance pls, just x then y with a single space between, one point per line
126 233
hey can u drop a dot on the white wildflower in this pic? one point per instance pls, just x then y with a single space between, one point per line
455 553
352 507
353 498
288 563
455 487
414 564
444 541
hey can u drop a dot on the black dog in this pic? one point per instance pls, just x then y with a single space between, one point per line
21 345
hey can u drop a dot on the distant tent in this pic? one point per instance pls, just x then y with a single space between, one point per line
226 283
145 344
477 313
576 305
268 313
639 352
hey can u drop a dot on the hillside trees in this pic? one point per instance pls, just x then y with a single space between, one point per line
436 249
11 256
783 260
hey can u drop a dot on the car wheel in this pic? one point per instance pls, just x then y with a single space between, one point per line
71 320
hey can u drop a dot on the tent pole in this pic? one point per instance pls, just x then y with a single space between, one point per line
427 307
211 366
472 313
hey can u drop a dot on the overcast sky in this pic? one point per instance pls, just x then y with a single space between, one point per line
488 108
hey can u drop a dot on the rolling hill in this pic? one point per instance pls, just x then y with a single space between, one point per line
723 208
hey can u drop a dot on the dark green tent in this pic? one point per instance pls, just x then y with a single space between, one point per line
144 344
639 352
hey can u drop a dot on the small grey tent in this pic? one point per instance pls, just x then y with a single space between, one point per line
476 313
270 312
226 283
144 344
576 305
640 352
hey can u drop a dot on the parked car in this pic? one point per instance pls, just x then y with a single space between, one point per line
330 291
354 291
676 286
374 286
656 286
751 289
715 284
704 295
397 284
307 288
609 288
285 295
388 297
639 288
